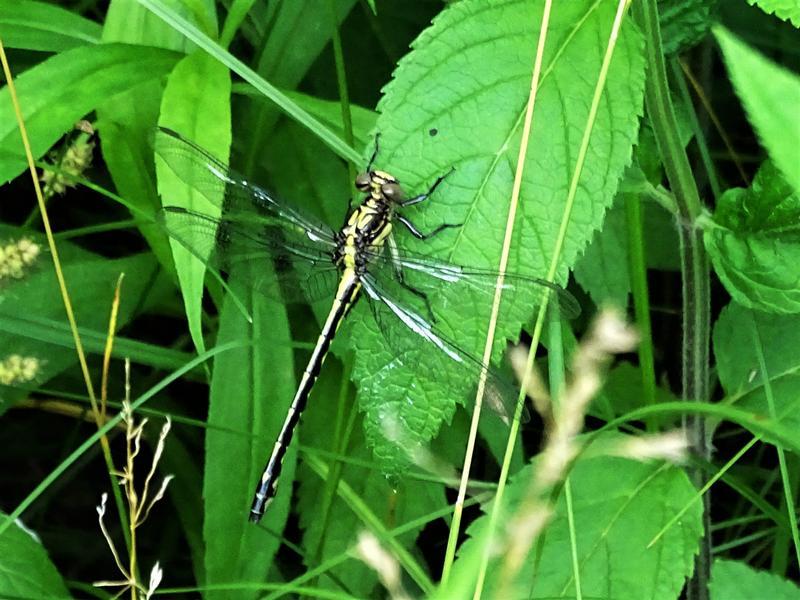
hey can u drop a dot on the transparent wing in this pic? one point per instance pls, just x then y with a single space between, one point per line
254 227
299 273
428 276
228 190
460 367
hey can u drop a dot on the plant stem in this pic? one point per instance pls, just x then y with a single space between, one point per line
694 263
641 299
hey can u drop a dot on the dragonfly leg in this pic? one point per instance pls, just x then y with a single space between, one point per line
374 153
399 275
426 195
424 236
419 294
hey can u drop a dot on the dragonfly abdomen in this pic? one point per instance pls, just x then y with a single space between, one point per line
346 296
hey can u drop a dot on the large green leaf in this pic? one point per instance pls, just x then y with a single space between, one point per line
126 124
788 10
458 100
736 352
770 95
733 580
615 518
249 389
754 243
25 569
603 269
45 27
196 103
64 88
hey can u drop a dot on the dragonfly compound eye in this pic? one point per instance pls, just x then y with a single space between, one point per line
392 191
362 182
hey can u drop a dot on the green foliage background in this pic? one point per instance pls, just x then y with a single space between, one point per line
292 94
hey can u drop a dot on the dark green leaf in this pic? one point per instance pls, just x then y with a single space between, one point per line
754 243
25 569
56 93
126 124
90 281
32 25
684 23
249 390
411 500
735 349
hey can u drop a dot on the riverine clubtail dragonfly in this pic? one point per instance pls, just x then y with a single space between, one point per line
312 260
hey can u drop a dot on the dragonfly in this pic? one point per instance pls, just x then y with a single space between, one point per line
312 260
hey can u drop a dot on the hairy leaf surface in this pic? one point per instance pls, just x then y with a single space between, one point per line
458 101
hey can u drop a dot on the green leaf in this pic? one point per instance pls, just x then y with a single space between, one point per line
788 10
90 281
615 518
126 124
200 38
59 91
623 391
299 32
25 569
44 27
458 100
754 243
196 103
738 366
684 23
603 269
328 112
733 580
248 385
411 500
770 95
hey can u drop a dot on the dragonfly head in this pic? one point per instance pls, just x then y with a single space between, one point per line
380 183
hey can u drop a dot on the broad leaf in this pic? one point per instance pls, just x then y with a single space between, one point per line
770 95
754 243
615 518
44 27
196 103
735 350
249 390
732 580
471 72
603 269
57 92
25 569
126 123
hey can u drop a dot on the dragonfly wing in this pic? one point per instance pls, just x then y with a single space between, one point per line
428 275
300 272
460 367
228 190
